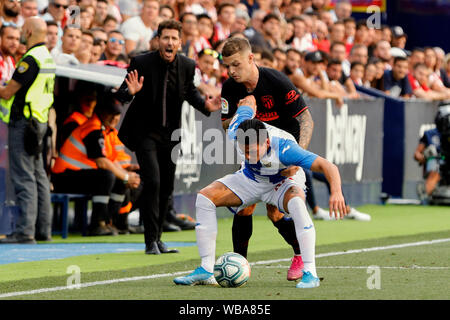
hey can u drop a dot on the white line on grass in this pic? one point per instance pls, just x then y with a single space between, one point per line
161 275
339 253
360 267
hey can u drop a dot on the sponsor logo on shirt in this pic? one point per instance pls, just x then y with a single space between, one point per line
291 96
266 116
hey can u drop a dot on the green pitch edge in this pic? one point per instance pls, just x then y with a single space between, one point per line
387 221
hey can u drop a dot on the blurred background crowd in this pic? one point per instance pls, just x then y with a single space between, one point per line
324 51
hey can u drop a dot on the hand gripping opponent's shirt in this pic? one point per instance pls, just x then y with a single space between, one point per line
282 153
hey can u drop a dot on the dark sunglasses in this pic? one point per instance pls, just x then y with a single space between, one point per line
58 5
100 40
113 40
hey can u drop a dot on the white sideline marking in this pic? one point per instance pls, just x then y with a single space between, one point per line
413 267
339 253
161 275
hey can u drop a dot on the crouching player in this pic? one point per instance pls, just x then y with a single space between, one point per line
267 151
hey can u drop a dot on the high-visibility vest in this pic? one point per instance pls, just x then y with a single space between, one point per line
40 94
77 117
73 153
119 154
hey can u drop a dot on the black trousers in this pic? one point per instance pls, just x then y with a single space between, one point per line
157 174
96 182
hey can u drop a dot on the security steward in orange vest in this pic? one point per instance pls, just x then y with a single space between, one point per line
84 111
84 166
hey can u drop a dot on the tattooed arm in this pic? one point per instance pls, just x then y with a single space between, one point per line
306 124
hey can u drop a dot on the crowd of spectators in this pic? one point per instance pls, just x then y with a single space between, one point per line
324 52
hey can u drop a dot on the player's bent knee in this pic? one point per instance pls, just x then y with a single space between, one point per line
291 193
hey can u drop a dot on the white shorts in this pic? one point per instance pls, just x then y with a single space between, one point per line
251 192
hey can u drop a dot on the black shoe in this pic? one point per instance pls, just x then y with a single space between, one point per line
180 220
40 237
152 248
163 248
100 231
123 231
136 229
17 238
113 229
184 224
169 227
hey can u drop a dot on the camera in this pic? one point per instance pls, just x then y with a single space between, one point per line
442 121
441 195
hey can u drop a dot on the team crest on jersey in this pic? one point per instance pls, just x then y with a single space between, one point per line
224 106
268 101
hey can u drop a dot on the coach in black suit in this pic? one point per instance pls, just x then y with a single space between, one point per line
159 81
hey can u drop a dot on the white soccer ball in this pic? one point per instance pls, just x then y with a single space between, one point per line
232 270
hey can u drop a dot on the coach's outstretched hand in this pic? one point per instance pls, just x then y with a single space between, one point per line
213 103
134 83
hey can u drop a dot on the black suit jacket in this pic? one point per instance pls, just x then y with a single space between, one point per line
135 123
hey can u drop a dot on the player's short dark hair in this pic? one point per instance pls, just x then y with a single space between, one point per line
169 24
251 131
235 45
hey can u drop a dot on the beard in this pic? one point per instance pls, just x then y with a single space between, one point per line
10 12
